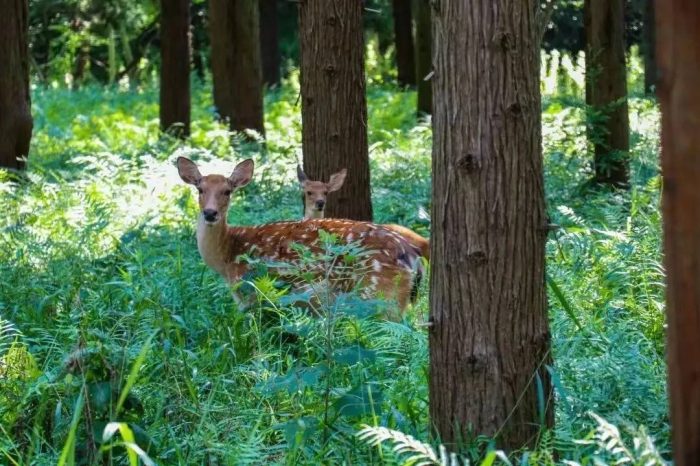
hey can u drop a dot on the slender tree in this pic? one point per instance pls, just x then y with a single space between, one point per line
269 42
333 104
424 55
175 67
649 47
489 340
15 107
606 89
235 62
678 46
403 38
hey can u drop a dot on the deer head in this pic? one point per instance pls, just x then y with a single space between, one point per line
215 190
316 192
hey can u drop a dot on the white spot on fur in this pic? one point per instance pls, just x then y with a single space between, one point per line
376 265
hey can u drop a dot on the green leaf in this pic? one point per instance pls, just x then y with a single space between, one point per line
352 355
298 431
134 373
67 457
360 401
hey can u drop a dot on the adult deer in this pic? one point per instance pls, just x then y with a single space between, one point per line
394 269
315 195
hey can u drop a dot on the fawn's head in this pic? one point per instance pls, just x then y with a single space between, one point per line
214 190
316 192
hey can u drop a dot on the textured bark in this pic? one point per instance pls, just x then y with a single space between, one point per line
490 337
235 63
269 42
334 109
424 55
15 106
649 47
175 67
403 38
606 89
678 47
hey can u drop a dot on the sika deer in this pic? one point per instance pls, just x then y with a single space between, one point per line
315 195
395 266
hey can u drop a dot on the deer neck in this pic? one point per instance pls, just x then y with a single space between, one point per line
215 244
313 213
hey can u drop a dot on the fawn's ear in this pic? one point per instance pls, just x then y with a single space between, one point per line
301 175
242 174
188 171
337 180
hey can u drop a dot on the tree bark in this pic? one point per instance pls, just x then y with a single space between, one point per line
333 104
424 56
235 62
15 106
269 42
403 38
490 339
606 90
678 47
175 67
649 47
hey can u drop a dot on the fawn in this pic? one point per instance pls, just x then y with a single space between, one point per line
394 267
316 192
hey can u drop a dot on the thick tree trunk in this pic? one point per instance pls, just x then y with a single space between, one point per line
606 90
424 56
269 42
175 67
333 104
235 63
403 38
490 338
678 42
15 107
649 47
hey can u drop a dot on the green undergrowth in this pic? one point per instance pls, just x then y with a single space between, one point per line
109 316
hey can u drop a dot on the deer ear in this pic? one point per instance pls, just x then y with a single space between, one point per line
188 171
337 180
242 174
301 175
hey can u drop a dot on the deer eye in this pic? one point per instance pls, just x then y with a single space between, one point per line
308 193
200 190
227 192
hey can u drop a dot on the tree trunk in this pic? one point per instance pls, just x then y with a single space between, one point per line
333 105
235 63
15 106
678 47
424 56
175 67
490 338
198 32
649 47
403 38
606 90
269 42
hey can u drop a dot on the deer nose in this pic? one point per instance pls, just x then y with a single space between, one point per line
210 215
320 204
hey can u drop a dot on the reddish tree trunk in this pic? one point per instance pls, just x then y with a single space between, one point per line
678 46
15 107
403 38
606 89
333 104
490 339
235 63
424 56
269 42
175 67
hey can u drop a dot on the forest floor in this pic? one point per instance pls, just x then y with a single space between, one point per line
107 312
